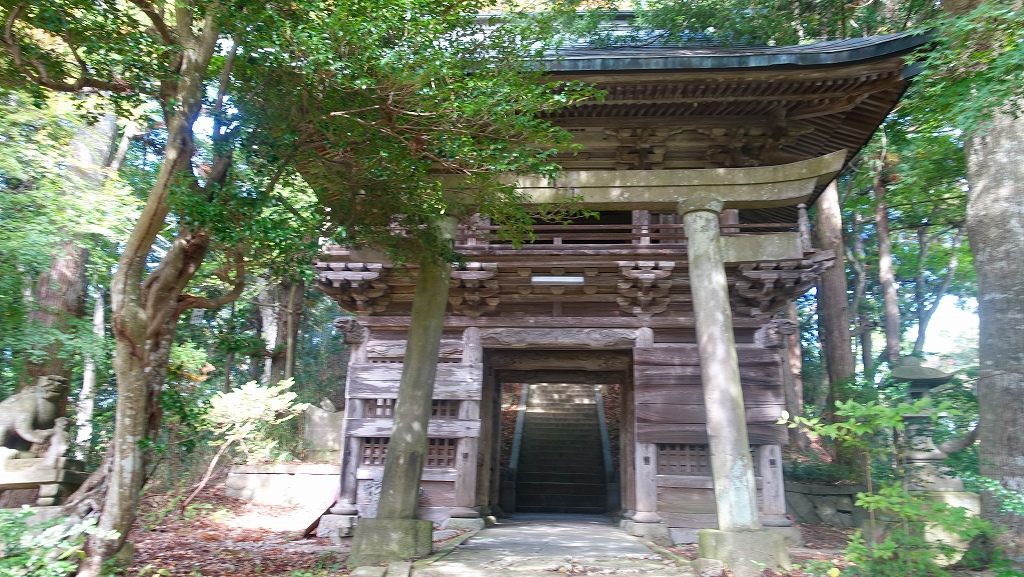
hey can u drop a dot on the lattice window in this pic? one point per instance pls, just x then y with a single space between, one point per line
375 449
680 459
440 454
380 408
677 459
444 409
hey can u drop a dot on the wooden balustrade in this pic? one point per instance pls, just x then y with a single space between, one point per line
610 233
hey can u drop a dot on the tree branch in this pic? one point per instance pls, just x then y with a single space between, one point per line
197 302
158 21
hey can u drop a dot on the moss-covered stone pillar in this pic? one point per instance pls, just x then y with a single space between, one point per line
731 465
739 540
395 533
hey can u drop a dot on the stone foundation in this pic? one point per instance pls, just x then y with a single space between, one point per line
830 504
297 484
746 553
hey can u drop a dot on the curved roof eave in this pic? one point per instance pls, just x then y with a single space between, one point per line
655 59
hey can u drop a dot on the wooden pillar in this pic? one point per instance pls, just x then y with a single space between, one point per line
731 466
466 461
646 483
773 490
468 447
351 446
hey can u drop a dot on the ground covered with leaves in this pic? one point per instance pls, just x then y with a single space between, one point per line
221 536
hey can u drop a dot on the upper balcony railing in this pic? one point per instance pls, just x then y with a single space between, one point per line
608 234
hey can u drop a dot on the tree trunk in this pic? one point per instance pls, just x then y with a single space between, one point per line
145 308
60 291
886 274
995 221
292 299
87 397
270 302
833 306
59 297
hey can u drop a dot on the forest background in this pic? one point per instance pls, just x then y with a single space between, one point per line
153 189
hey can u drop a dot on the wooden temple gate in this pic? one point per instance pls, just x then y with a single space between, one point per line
748 137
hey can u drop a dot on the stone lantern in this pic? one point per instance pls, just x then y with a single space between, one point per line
924 459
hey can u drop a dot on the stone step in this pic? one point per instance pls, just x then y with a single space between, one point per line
574 489
553 502
584 510
566 467
585 477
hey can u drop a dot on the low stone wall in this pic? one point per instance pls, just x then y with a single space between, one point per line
294 484
831 504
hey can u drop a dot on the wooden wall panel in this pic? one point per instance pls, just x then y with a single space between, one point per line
432 494
690 375
380 381
759 434
676 500
686 354
695 414
438 428
693 395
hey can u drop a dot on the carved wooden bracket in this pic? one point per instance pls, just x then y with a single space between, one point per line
765 288
473 289
641 148
358 287
644 290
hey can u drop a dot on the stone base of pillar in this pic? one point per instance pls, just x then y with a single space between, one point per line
746 553
656 533
379 541
336 526
463 513
646 517
343 508
464 524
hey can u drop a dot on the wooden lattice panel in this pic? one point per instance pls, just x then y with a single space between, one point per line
380 408
683 459
444 409
440 454
689 459
375 450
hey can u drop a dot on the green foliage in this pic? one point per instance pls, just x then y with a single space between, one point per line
817 471
777 22
896 545
248 415
974 69
50 549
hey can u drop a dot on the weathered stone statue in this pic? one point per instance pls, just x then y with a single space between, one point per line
30 416
33 440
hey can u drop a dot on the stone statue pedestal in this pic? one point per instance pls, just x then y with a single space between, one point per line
55 481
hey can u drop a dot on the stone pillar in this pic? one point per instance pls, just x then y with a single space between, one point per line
739 540
395 534
731 465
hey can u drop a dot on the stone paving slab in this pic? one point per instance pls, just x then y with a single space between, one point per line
529 544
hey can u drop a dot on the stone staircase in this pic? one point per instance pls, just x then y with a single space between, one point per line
561 466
